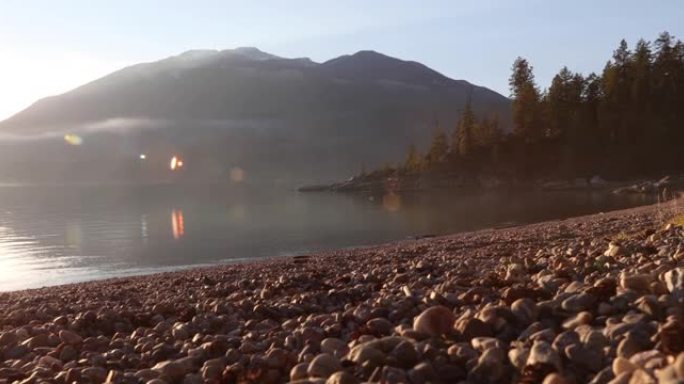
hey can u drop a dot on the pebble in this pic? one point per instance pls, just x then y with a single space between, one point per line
405 354
489 366
554 378
299 371
156 381
8 338
434 321
461 353
639 283
472 328
578 302
525 310
541 353
364 353
380 326
334 346
323 366
94 374
69 337
642 377
595 340
423 373
674 280
614 249
342 377
628 347
518 357
484 307
577 320
584 357
171 370
622 365
679 366
50 363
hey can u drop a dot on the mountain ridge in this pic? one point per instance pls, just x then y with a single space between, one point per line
363 108
362 65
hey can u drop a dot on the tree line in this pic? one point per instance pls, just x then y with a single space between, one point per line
626 121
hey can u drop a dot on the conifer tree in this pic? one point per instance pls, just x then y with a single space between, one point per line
526 101
413 162
562 100
438 149
626 121
465 132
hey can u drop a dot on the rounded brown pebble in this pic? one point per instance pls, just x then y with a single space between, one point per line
638 283
156 381
379 326
69 337
366 353
334 346
170 369
472 328
342 377
622 365
323 366
434 321
554 378
94 374
299 371
679 366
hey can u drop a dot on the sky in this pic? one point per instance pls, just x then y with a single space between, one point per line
48 47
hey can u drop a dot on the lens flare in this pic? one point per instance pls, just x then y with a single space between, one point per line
72 139
237 174
175 163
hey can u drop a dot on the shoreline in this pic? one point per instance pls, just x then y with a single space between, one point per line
427 183
492 305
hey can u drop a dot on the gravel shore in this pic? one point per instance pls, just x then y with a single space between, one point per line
593 299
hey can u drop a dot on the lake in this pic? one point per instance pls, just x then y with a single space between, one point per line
53 235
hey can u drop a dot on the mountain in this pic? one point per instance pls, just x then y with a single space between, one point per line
274 117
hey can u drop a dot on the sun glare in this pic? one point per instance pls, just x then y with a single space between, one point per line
72 139
175 163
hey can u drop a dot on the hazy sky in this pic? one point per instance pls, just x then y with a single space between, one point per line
48 47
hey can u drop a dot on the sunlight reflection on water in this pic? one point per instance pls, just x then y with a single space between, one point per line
59 235
177 224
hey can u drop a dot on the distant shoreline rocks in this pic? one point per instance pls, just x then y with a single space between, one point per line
417 183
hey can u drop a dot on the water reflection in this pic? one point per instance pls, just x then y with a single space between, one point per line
74 235
391 201
177 224
237 212
23 261
143 228
64 234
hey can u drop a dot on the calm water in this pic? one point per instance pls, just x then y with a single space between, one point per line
55 235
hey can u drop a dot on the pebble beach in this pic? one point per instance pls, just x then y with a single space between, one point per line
592 299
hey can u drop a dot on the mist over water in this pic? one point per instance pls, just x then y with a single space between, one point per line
61 234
